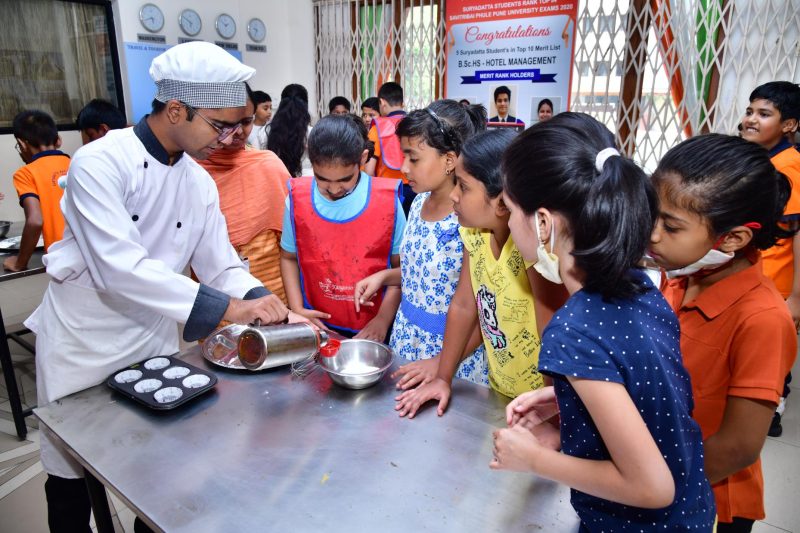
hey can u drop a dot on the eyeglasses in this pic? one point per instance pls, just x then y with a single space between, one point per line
223 131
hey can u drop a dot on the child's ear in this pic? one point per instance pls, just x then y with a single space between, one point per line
500 209
450 162
789 125
736 239
364 157
58 142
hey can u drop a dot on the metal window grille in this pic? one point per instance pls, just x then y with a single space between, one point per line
681 67
654 71
360 44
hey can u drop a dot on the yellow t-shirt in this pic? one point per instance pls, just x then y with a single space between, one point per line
506 313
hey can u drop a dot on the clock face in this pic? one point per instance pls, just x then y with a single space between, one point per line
257 30
190 22
226 26
151 18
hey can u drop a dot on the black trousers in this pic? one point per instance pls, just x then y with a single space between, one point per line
68 506
69 509
739 525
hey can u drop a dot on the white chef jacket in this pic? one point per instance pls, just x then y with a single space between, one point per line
133 224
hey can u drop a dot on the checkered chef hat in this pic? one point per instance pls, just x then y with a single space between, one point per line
202 75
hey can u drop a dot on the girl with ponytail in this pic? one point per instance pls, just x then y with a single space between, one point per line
288 131
721 201
628 445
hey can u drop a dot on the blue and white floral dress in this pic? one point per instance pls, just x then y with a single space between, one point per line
430 263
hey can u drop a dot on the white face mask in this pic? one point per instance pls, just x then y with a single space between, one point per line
714 258
547 262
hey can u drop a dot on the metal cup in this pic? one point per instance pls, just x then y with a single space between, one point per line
270 346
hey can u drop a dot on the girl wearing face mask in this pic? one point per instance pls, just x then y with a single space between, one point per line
628 445
495 289
721 200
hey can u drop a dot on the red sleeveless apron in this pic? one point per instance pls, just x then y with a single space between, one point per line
334 255
391 153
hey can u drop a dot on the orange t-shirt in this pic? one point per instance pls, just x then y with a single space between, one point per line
381 170
779 260
737 339
39 179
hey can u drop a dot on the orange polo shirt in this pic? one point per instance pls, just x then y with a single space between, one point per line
779 260
39 179
737 339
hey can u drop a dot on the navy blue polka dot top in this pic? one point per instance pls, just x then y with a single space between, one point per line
635 342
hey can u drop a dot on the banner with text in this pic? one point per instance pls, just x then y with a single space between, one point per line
513 57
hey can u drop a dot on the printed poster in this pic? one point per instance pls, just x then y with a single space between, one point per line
521 47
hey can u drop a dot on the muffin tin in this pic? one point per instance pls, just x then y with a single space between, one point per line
162 382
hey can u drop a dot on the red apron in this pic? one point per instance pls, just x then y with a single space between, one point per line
334 255
391 153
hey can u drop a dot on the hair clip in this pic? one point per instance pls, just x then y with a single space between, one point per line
440 125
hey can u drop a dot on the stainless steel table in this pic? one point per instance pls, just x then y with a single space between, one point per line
268 452
35 266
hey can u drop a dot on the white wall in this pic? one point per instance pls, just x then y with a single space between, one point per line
289 59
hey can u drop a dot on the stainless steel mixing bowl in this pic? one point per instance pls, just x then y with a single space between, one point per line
358 364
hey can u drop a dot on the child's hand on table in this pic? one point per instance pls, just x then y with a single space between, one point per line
10 264
295 318
416 373
409 402
313 316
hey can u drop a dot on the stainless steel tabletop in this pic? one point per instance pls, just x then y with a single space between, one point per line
269 452
35 265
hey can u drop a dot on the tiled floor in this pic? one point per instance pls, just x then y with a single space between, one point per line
22 503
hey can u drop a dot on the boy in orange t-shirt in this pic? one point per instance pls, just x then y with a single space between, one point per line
771 120
36 183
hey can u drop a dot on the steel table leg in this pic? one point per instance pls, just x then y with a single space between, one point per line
99 500
11 383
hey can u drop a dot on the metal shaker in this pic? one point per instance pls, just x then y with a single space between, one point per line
270 346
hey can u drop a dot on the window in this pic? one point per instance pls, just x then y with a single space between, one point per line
55 56
362 44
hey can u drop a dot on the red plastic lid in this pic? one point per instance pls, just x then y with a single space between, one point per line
331 348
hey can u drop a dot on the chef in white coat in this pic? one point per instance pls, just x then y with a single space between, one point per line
138 212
